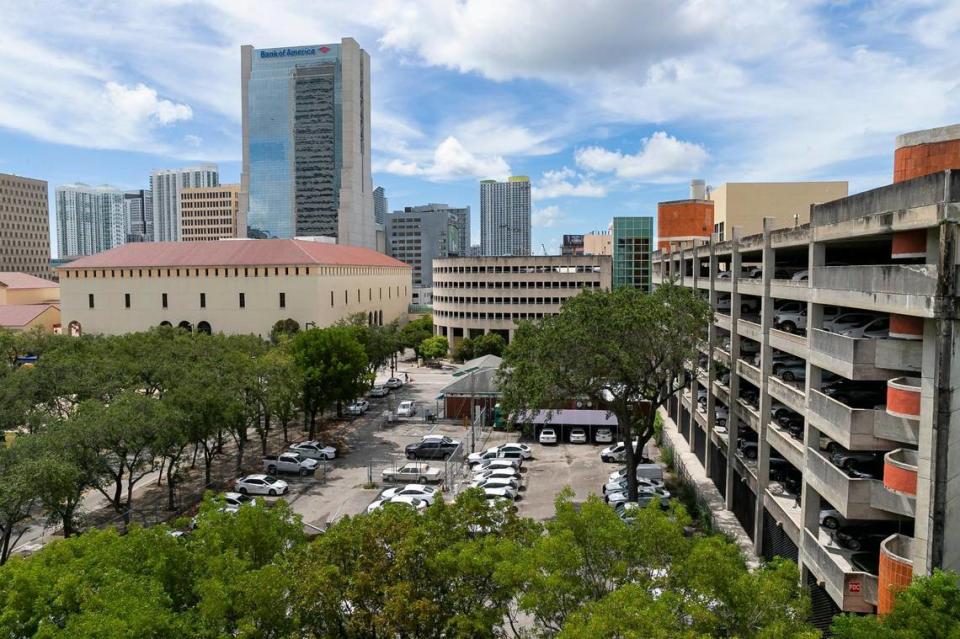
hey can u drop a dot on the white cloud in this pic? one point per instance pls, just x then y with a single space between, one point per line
141 104
497 135
560 183
546 217
661 157
450 161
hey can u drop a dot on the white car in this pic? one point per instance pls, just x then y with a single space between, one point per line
261 485
496 482
525 451
846 321
615 453
427 493
578 436
801 276
503 492
548 436
498 463
313 449
620 485
407 408
490 453
618 475
878 328
378 391
416 503
644 496
720 415
603 436
394 383
500 473
358 407
233 501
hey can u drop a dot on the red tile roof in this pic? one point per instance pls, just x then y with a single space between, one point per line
14 280
233 253
21 314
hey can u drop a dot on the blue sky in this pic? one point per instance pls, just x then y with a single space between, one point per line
608 105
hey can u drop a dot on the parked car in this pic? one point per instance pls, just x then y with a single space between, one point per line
496 482
861 459
644 496
857 394
411 501
748 448
289 462
436 447
393 383
407 408
861 536
578 436
525 451
261 485
379 391
793 372
499 473
502 492
849 320
878 328
603 436
642 475
620 484
613 454
358 407
494 464
801 276
427 493
233 501
413 472
476 458
830 518
313 449
548 436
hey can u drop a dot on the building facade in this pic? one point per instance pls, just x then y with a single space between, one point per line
165 187
632 248
923 152
210 213
380 206
29 303
234 287
420 234
138 210
24 226
306 142
505 216
598 243
745 204
806 417
572 245
477 295
685 222
90 219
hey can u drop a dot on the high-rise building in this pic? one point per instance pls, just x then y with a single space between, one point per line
25 220
380 205
306 142
166 185
419 234
90 219
209 213
505 216
138 209
632 247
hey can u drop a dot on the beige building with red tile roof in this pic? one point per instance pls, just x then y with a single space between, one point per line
28 302
230 286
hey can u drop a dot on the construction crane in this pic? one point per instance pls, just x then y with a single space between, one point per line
544 247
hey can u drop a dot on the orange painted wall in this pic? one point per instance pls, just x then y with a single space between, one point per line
903 402
922 159
683 219
900 479
893 577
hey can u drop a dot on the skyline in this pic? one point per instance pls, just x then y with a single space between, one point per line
605 118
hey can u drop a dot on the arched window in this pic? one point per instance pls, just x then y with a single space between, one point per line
203 327
185 325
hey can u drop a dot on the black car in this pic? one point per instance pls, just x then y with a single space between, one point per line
861 459
857 394
438 448
864 536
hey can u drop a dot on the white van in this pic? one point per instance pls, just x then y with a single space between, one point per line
407 408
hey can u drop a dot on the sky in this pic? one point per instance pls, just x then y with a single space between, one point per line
609 106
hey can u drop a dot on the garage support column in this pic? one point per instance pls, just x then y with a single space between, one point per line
711 342
733 418
766 364
694 384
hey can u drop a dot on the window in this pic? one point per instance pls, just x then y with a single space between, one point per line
283 300
164 300
126 300
243 301
331 299
203 300
90 299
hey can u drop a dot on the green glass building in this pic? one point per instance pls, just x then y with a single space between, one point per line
632 246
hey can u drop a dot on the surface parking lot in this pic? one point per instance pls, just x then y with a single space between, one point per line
343 486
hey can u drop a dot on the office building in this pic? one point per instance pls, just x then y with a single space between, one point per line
681 223
165 186
803 416
90 219
419 234
210 213
138 209
474 251
572 245
24 226
477 295
238 287
598 243
632 247
306 142
745 204
380 205
505 217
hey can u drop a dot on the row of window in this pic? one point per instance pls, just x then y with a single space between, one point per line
242 299
518 285
490 316
580 268
499 300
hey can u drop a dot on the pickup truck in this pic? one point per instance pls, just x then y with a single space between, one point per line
289 462
419 472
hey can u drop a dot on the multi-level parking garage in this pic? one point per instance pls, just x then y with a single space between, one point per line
824 404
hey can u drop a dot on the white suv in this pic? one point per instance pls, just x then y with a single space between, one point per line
407 408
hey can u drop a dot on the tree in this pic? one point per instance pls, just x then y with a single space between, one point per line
379 342
18 493
929 607
284 329
434 347
332 368
489 344
464 350
623 349
414 332
284 388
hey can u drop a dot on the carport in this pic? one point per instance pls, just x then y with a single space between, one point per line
565 420
474 389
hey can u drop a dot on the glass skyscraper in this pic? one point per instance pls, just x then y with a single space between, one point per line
632 246
90 219
505 216
306 142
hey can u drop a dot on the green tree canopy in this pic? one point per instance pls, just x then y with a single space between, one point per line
489 344
413 333
434 347
623 349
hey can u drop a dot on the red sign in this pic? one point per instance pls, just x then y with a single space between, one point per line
324 49
853 586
